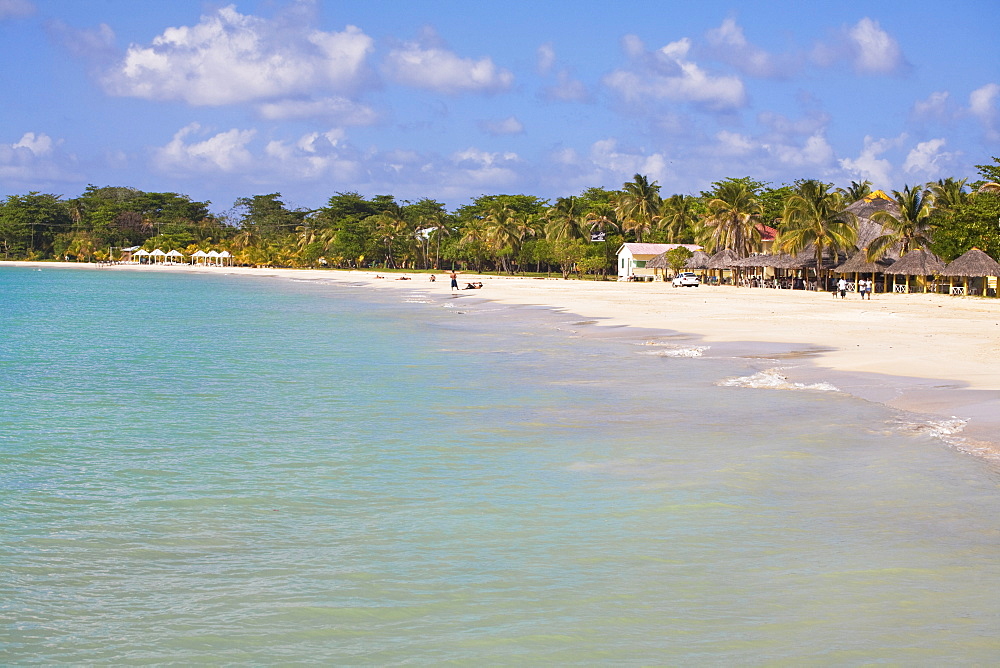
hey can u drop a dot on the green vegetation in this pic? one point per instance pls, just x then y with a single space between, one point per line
500 233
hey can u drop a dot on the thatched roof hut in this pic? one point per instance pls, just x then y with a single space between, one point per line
972 264
761 260
723 259
658 262
859 264
699 260
917 263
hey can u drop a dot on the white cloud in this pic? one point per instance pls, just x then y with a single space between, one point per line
668 74
35 161
40 144
927 159
15 9
506 126
983 105
230 58
223 152
546 58
875 50
433 67
341 110
869 48
868 165
566 89
935 106
729 44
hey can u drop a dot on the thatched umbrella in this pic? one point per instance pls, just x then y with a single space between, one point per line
698 260
658 262
916 263
974 263
859 264
723 260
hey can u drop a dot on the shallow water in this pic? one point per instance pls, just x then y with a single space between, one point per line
210 469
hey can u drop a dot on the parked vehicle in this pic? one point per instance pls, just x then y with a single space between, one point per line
686 279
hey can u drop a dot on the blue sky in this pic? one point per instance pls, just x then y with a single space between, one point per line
453 99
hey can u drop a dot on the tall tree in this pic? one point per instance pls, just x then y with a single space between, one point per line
814 216
856 191
678 215
910 228
565 219
734 213
638 205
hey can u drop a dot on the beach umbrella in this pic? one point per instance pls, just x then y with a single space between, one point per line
723 260
974 263
698 260
916 263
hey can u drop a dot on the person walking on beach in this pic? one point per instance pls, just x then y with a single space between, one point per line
454 280
842 287
868 289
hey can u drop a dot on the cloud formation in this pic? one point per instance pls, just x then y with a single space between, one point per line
668 74
869 49
729 44
983 104
435 68
223 152
229 58
16 9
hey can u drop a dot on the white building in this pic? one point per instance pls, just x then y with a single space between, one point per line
632 258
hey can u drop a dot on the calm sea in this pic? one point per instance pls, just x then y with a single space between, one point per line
212 469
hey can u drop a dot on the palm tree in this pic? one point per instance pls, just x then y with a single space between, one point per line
389 226
600 220
438 225
814 216
855 191
733 216
948 193
676 214
910 228
638 205
565 220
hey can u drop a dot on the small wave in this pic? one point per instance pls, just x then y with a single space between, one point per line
417 301
692 351
934 428
773 379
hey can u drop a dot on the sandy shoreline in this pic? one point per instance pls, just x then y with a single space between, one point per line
933 354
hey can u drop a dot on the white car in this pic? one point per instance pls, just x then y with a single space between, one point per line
686 279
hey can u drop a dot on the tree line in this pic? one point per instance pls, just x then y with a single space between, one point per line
502 233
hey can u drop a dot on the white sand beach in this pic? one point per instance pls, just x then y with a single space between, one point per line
921 352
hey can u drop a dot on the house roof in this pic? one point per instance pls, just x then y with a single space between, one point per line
655 249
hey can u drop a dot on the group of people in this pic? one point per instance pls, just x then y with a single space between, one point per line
864 288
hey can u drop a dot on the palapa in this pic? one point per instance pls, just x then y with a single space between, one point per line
972 264
698 260
859 264
723 259
658 262
917 263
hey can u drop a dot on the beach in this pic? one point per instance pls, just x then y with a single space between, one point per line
927 353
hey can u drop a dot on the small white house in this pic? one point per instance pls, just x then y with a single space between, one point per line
632 258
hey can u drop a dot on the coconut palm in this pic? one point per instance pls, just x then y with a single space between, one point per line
948 193
638 205
910 228
814 216
733 218
855 191
437 223
565 219
677 213
389 226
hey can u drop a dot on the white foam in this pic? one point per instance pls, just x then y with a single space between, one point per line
773 379
692 351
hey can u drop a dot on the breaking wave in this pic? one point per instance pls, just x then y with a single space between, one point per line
773 379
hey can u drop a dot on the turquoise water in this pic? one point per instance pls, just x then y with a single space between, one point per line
210 469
